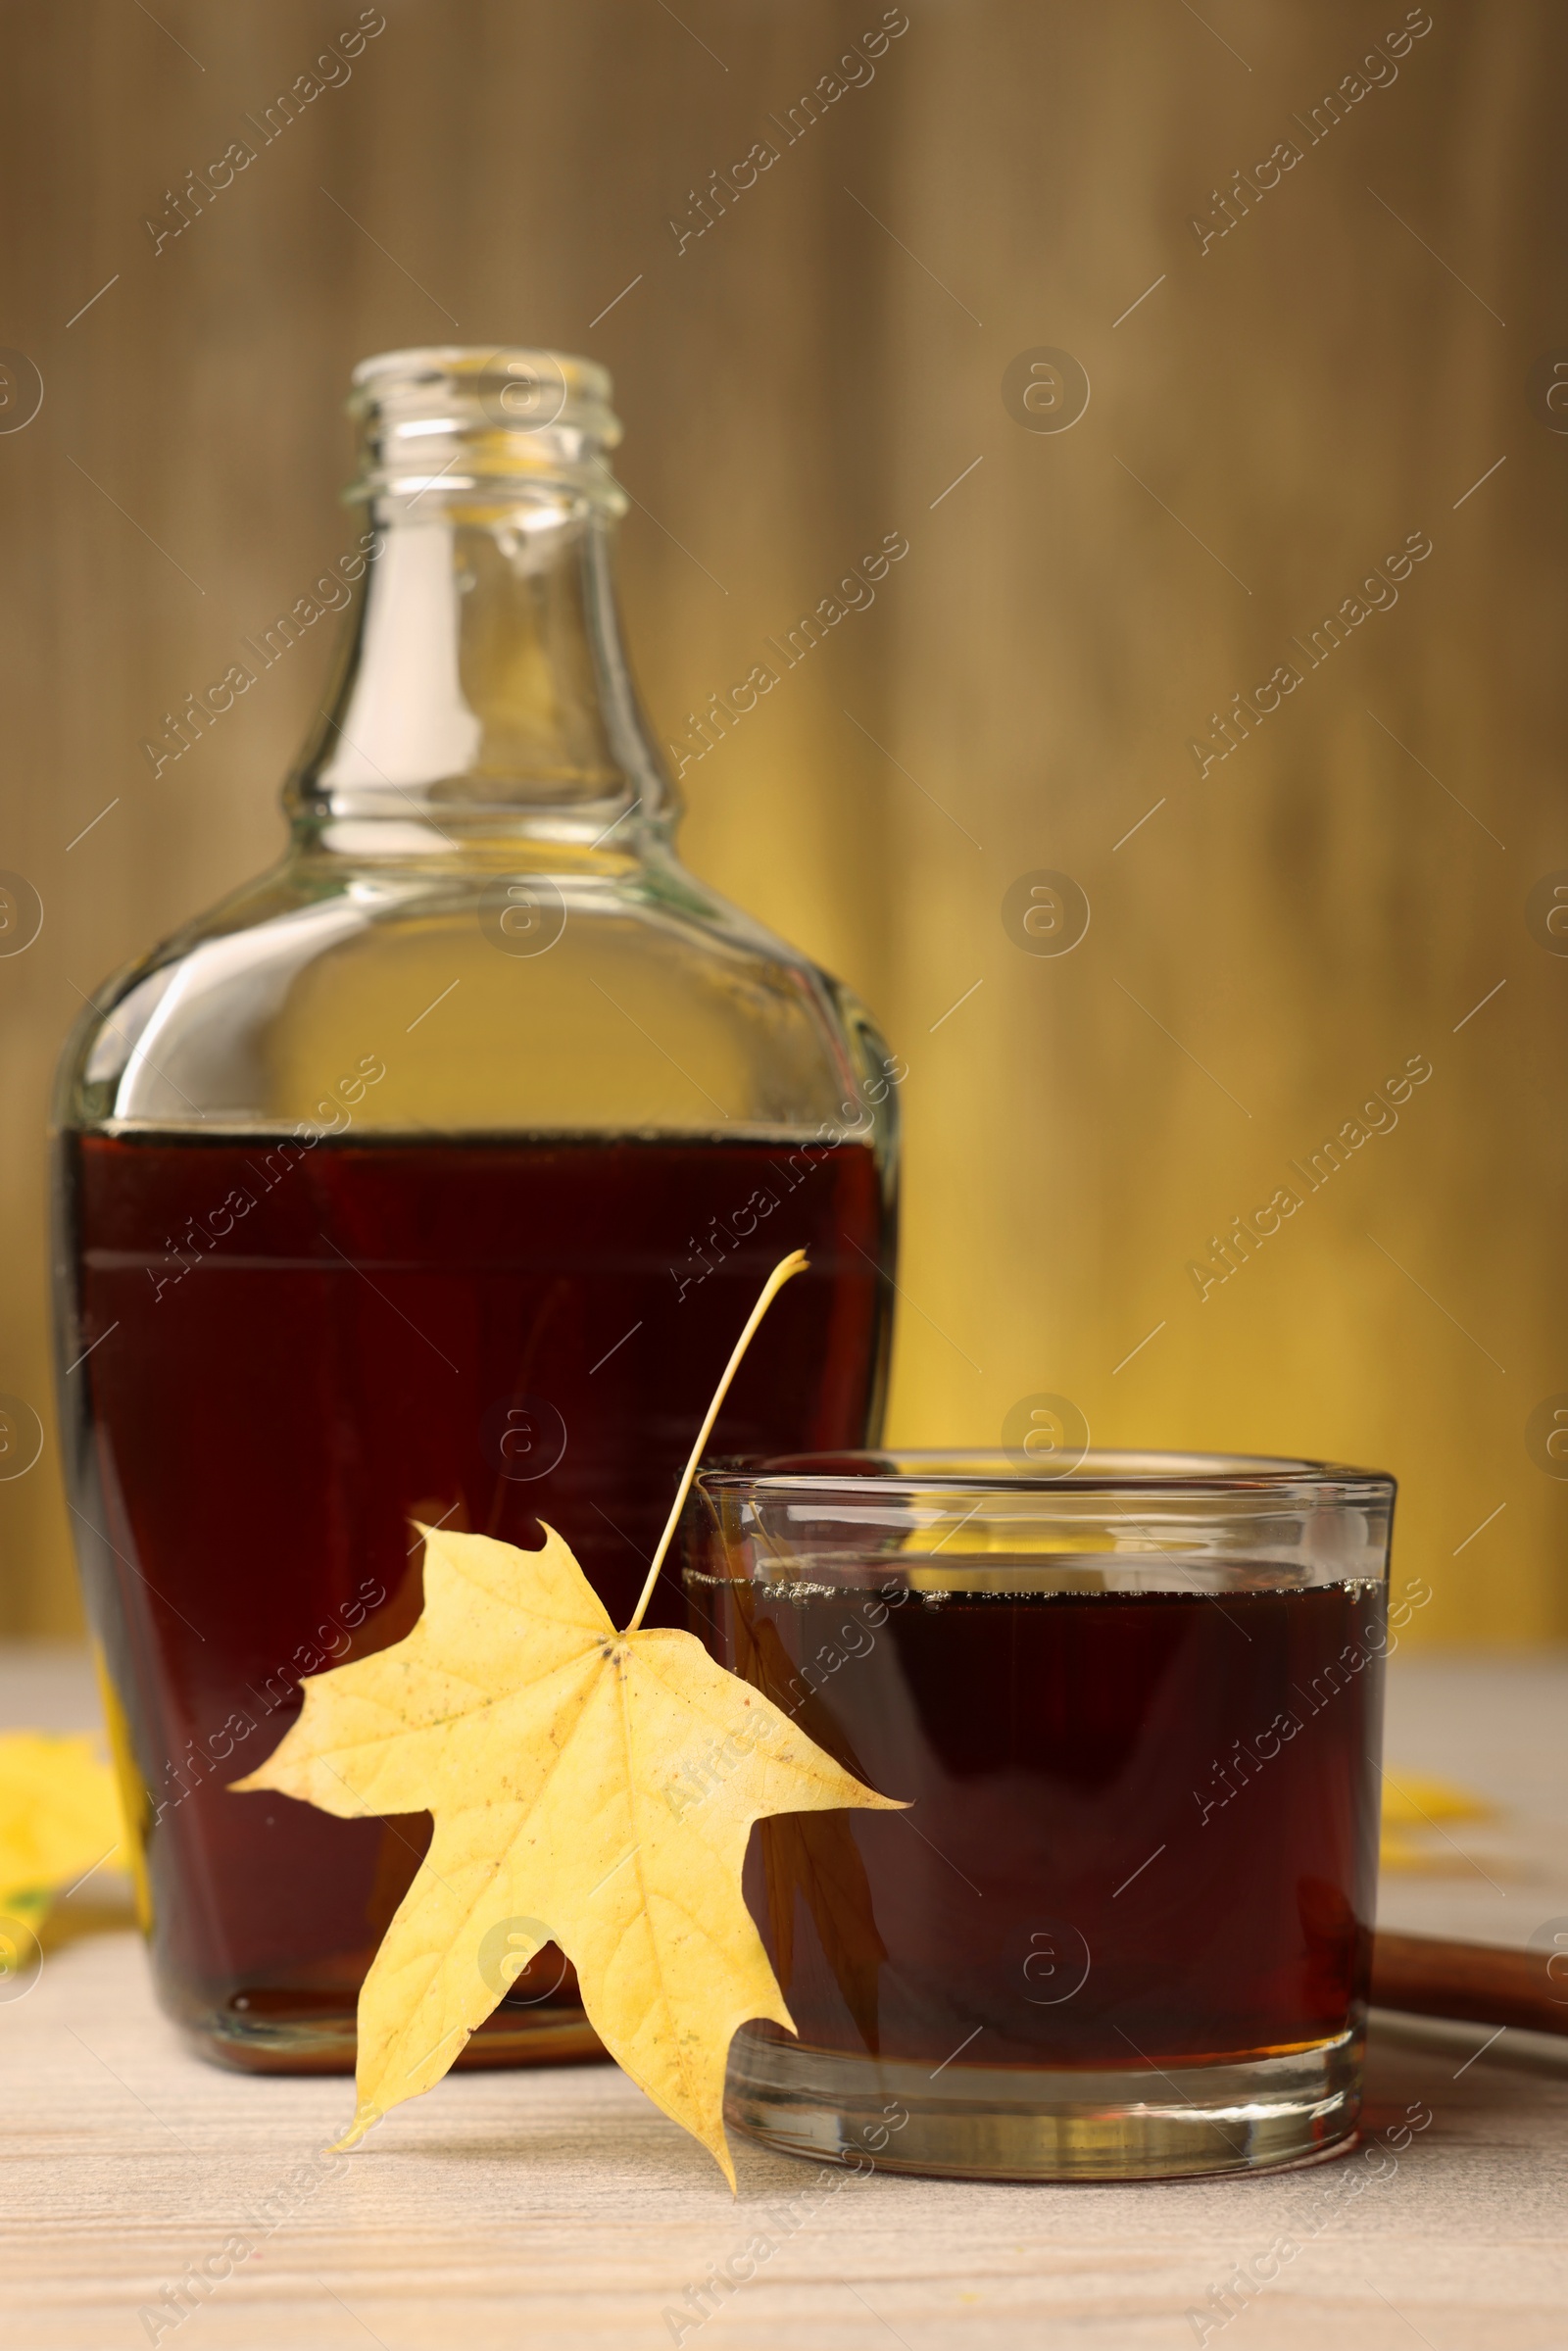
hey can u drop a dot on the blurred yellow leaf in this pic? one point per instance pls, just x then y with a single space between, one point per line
1411 1799
1414 1806
59 1817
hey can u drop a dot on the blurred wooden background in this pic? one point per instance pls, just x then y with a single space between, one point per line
1272 413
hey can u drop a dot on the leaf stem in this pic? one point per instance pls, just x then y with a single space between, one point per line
785 1271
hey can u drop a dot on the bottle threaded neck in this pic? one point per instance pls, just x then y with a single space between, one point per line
457 420
484 690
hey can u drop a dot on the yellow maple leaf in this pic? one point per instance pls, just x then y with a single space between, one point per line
58 1818
589 1787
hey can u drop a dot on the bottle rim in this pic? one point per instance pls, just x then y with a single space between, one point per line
454 417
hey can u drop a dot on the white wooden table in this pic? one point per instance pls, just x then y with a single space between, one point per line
531 2210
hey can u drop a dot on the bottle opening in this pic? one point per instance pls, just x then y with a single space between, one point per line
460 418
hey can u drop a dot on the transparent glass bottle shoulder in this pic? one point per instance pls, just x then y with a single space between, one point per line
541 990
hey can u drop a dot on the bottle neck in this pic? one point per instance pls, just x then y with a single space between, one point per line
484 696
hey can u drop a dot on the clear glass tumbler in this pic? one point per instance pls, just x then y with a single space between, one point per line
1123 1930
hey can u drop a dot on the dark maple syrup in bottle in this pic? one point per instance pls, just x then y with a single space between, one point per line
430 1179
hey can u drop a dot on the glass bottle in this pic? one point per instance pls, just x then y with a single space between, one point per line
428 1180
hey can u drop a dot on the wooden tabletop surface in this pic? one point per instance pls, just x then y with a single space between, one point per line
558 2207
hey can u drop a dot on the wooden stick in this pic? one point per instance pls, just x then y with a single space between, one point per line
1476 1984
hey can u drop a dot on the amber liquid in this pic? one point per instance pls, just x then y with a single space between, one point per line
286 1356
1143 1824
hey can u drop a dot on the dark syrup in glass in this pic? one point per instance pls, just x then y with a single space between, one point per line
1143 1824
289 1354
